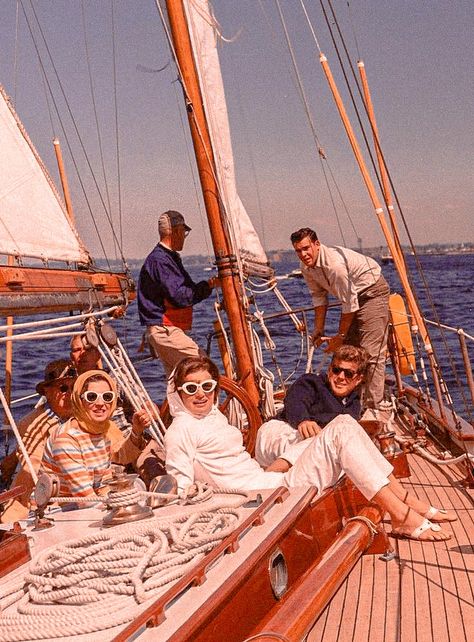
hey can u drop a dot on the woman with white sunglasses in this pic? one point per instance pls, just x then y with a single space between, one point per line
79 451
201 445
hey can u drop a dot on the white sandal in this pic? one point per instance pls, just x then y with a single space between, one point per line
439 515
419 530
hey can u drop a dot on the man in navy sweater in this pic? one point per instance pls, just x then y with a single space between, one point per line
166 294
312 402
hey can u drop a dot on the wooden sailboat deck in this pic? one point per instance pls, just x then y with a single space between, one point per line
425 594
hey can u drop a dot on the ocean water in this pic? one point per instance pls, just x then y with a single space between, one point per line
451 278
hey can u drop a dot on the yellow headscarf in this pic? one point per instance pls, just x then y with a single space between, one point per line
79 406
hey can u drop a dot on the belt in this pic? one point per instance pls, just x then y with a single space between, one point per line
365 290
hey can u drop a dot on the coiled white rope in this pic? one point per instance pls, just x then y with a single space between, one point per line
100 581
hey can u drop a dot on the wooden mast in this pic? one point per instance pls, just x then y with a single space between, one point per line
231 287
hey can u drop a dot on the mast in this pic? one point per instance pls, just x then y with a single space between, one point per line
225 261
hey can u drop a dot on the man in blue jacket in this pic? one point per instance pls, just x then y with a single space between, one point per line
166 294
312 402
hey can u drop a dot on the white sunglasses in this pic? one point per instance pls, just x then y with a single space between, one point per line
91 397
190 387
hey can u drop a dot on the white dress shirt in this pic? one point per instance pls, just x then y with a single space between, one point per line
342 273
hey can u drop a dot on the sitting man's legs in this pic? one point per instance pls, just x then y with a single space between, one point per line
273 439
342 447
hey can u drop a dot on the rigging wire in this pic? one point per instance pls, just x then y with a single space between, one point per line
299 84
117 129
442 335
75 129
354 33
179 103
96 118
189 156
251 161
47 98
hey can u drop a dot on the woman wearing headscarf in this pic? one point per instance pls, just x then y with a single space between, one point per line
79 452
201 445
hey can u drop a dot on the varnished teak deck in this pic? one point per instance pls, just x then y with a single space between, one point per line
425 594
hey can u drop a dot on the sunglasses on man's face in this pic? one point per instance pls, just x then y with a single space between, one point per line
92 397
348 373
190 387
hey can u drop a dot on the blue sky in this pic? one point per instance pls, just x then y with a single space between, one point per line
419 59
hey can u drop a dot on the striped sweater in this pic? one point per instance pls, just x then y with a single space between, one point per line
81 460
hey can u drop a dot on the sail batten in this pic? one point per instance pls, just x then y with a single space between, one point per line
33 220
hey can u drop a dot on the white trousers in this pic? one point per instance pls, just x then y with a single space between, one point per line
273 440
342 447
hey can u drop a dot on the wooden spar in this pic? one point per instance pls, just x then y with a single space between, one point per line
28 290
315 587
381 161
9 353
231 287
64 181
385 229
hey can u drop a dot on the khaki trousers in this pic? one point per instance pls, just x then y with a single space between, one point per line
369 329
170 344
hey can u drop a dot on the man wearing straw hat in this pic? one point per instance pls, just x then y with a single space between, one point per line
34 428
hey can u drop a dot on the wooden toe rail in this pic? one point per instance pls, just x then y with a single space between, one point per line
318 584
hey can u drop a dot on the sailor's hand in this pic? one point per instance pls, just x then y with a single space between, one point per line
142 418
308 428
317 339
334 342
214 282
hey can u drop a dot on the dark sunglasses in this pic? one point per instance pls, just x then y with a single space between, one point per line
91 397
190 387
349 374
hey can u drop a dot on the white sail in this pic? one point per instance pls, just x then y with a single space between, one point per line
33 221
203 36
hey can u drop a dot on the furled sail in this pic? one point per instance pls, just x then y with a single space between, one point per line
33 220
246 243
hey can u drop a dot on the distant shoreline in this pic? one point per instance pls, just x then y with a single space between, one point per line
287 255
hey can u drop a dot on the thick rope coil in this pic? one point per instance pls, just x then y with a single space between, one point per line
99 581
194 494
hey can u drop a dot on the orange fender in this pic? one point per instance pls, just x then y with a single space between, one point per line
405 354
